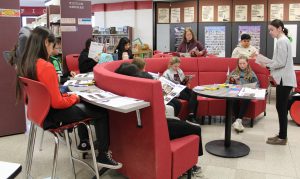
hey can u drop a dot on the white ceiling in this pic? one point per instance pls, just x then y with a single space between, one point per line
42 2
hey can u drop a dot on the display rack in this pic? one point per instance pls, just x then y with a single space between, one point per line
53 17
110 36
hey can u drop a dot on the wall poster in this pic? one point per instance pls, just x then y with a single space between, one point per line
254 32
293 37
215 40
223 13
207 13
189 14
276 11
294 12
175 15
241 12
163 15
257 12
178 36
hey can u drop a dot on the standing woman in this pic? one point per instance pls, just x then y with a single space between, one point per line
190 45
282 70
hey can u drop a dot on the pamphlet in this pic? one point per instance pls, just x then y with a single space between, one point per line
79 83
255 93
84 76
95 49
170 89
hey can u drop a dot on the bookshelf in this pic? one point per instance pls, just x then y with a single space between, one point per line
53 17
110 36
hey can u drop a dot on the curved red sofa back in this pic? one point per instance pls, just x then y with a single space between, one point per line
144 151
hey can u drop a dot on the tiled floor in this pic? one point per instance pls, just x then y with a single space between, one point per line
263 162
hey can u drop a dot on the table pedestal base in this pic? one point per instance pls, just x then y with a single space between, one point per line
235 150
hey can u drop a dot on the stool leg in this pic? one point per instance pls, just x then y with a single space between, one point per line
67 136
41 142
270 91
93 150
55 155
29 148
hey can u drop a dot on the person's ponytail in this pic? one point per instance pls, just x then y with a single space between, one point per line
285 31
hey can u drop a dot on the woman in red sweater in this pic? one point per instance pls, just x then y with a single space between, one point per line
64 108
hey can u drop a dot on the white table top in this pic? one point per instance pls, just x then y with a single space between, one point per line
124 109
9 170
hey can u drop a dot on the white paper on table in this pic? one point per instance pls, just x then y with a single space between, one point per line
256 93
95 49
84 75
120 101
97 95
199 88
260 59
78 82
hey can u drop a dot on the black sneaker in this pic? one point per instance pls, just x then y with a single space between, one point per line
191 120
197 171
84 147
105 160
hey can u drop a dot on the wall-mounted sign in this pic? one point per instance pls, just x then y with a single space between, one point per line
215 40
189 14
175 15
257 12
33 11
276 11
84 21
9 12
68 28
207 13
163 15
223 13
76 5
294 12
241 13
68 20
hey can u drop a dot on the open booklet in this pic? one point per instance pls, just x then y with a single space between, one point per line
105 97
95 49
170 89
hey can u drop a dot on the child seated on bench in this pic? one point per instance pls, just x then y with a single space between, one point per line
242 74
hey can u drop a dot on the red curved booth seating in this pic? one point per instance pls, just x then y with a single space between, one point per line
145 152
295 108
72 62
295 112
209 71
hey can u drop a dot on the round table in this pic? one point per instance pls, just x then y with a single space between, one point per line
226 148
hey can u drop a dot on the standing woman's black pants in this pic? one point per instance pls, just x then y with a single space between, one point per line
282 97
